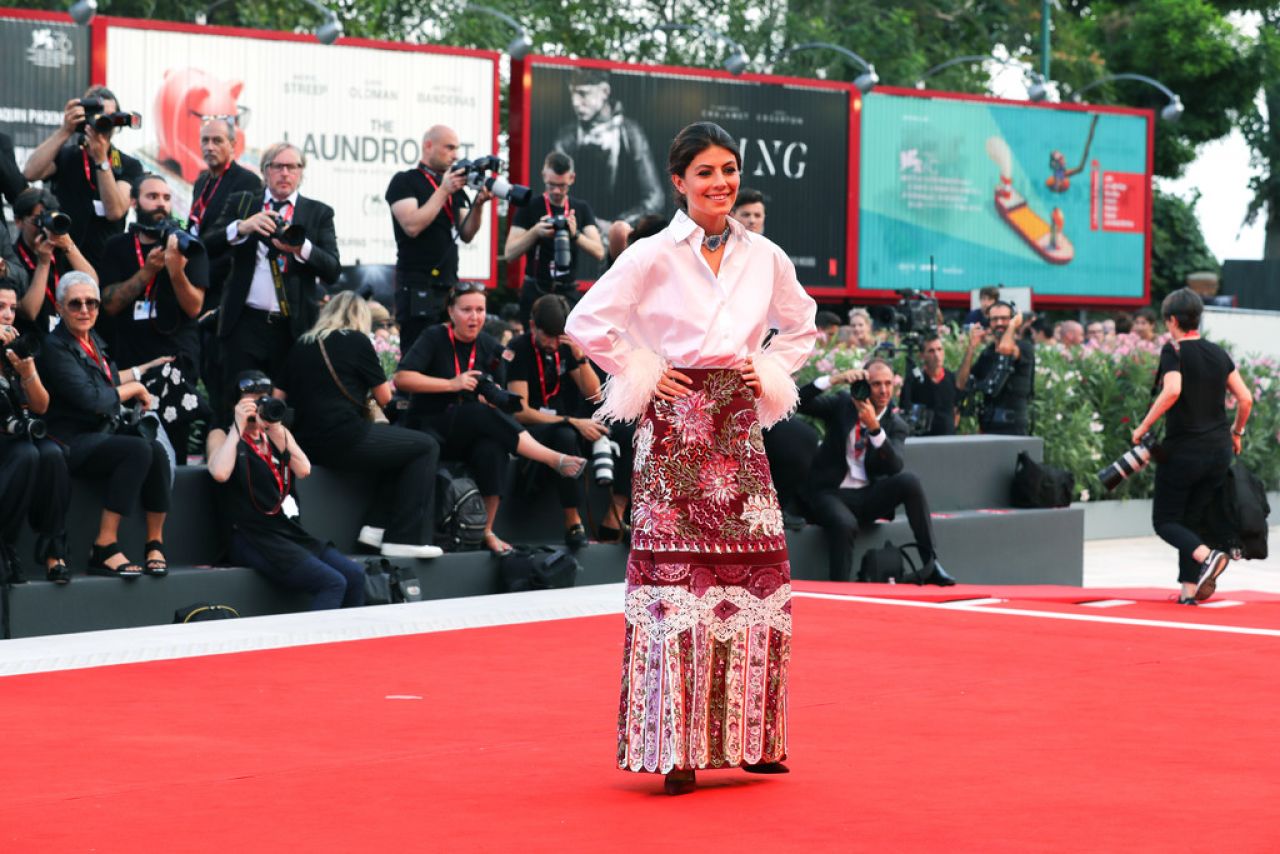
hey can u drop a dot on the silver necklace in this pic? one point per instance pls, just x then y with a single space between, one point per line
715 241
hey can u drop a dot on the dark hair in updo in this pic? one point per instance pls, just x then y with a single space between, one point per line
692 141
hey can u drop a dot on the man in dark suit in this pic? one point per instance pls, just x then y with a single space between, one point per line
274 290
857 476
223 179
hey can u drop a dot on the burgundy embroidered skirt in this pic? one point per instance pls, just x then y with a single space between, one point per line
708 609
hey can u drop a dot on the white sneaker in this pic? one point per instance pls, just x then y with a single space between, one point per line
406 550
371 537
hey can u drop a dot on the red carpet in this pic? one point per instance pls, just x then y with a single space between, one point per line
913 729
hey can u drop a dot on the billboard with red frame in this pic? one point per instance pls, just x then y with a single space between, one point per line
617 122
957 192
357 109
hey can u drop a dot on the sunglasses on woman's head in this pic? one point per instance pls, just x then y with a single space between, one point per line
468 288
89 304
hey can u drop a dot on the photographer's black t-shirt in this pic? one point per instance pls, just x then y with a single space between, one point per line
325 421
1017 391
1199 415
939 398
435 247
138 335
553 382
58 268
435 355
75 182
543 252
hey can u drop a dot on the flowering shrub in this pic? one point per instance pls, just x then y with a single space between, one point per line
1087 402
387 346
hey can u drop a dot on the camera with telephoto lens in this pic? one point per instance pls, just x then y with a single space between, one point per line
499 397
288 233
160 230
560 238
271 410
103 122
14 420
54 222
1129 463
602 453
477 179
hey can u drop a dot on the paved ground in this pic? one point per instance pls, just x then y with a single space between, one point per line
1150 562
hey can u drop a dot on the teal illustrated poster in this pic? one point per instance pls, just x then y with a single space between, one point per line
1051 199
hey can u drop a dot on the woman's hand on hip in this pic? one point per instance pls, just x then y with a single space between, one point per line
747 370
673 385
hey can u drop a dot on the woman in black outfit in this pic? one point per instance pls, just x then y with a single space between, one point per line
256 463
85 397
329 376
444 371
1194 377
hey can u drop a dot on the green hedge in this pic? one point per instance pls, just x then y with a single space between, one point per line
1087 402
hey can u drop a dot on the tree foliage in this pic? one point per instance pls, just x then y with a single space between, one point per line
1177 244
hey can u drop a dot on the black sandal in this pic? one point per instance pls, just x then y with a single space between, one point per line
98 556
156 566
58 573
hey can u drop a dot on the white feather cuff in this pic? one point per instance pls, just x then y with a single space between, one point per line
627 395
780 397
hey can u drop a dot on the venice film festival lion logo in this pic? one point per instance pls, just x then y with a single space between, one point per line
50 48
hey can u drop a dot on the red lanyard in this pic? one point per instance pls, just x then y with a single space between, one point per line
448 203
88 173
286 212
542 377
937 378
206 195
280 473
30 264
453 345
546 201
87 346
137 247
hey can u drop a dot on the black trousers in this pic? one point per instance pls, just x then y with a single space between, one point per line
35 486
841 511
1186 481
413 316
406 460
132 466
790 446
566 440
479 436
258 342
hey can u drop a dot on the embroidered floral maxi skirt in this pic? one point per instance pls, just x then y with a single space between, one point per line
708 609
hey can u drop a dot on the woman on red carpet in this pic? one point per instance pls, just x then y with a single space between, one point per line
682 324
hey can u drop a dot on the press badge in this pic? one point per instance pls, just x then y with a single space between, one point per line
144 310
54 320
546 410
99 209
289 507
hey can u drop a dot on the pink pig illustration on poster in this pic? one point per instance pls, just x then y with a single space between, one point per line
188 98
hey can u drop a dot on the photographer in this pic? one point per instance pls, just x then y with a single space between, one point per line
34 483
1004 373
932 387
458 404
12 272
1193 377
330 375
86 393
155 292
542 362
91 177
283 246
427 204
858 475
562 225
45 255
256 462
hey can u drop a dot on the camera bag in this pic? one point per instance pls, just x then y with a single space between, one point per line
1040 485
201 611
889 565
385 583
538 568
462 515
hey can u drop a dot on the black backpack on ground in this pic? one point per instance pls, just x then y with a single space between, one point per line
538 568
1235 520
891 564
385 583
1040 484
461 516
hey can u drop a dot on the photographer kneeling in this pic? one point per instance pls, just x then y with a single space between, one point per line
541 362
256 462
330 375
34 483
858 475
86 393
1194 377
465 408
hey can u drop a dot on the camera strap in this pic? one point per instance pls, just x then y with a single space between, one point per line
453 345
435 186
278 261
142 262
329 364
279 473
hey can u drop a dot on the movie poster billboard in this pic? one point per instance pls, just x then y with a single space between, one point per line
44 62
617 122
1057 199
357 109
